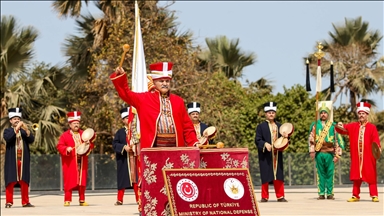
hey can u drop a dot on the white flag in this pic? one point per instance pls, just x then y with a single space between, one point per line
318 79
139 72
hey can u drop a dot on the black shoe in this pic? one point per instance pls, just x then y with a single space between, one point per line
118 203
321 197
8 205
282 200
28 205
264 200
330 197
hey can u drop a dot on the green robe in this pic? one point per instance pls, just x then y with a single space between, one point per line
324 160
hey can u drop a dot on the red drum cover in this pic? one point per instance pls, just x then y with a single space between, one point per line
287 128
281 144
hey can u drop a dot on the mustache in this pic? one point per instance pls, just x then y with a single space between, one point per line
165 86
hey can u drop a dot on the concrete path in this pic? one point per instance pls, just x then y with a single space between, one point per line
301 201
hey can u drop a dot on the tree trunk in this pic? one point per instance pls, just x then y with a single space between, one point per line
352 100
2 161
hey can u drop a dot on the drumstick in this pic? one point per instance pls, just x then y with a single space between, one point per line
125 49
218 145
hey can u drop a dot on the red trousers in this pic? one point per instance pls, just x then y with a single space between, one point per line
356 189
120 193
68 194
279 189
24 187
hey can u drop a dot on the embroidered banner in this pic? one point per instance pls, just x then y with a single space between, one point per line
224 158
210 192
153 161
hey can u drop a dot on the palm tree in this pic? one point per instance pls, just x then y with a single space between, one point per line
42 103
67 8
72 8
353 49
16 49
261 87
16 52
225 55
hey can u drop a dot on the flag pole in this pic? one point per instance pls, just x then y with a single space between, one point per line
139 84
319 54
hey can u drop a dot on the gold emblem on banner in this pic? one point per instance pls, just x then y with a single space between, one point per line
235 190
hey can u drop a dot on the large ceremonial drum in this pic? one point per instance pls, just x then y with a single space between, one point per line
224 158
153 160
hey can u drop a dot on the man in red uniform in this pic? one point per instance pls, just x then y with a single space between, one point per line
74 166
362 135
164 121
17 158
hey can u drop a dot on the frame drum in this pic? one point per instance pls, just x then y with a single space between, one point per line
287 128
82 149
88 135
210 132
203 140
281 144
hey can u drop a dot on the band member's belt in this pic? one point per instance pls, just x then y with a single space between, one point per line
165 140
19 154
328 144
327 147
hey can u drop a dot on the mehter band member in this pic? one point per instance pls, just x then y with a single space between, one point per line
362 135
126 146
270 159
17 158
74 165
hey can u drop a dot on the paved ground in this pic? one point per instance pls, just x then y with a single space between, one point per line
301 201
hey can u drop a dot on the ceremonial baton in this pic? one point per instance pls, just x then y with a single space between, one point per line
318 54
125 49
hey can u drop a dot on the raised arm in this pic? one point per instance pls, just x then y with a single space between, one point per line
119 80
342 128
29 139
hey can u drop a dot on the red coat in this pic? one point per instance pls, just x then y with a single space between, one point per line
69 162
148 106
368 170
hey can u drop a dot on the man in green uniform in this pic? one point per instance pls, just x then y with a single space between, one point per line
325 146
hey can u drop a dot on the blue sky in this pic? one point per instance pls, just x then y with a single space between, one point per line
279 33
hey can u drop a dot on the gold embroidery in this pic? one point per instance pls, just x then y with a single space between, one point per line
322 136
149 171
